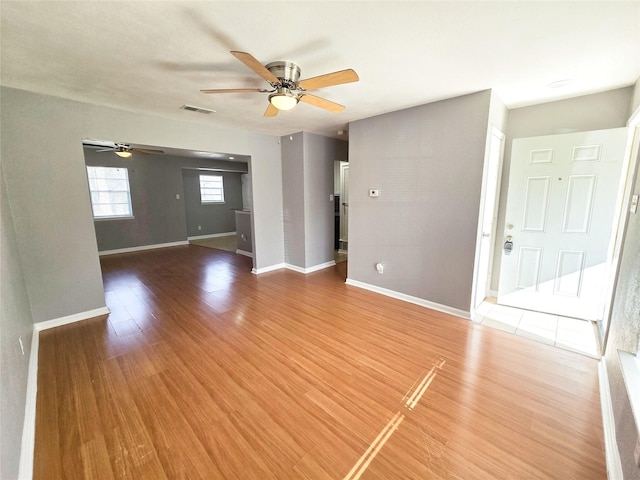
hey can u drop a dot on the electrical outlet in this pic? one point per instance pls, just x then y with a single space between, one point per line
21 345
199 227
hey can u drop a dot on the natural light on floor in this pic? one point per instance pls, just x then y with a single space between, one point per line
563 332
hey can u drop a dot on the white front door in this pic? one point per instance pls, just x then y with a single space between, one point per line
559 218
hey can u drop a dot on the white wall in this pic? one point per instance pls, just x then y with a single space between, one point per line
46 183
427 162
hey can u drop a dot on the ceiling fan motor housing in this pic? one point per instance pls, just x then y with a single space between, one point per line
287 72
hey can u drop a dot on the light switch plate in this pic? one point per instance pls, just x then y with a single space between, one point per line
634 204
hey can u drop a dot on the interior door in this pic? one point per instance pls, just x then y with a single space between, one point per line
344 199
559 219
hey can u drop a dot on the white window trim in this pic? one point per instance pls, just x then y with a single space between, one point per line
102 219
128 216
211 202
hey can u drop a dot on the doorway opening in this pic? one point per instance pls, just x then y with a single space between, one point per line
341 211
565 196
488 218
172 196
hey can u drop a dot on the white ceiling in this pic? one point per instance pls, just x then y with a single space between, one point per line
152 56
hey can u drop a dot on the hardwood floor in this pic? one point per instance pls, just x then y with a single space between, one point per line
203 370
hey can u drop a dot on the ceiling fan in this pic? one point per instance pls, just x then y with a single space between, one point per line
286 87
123 150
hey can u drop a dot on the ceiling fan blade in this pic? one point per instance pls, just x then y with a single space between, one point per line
147 150
271 111
322 103
234 90
250 61
330 79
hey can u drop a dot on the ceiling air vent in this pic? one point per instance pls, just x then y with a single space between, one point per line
191 108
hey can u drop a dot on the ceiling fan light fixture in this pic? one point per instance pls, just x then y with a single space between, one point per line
283 100
122 151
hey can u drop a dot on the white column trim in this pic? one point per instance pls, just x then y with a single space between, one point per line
25 469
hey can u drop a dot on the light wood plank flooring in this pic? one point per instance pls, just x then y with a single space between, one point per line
203 370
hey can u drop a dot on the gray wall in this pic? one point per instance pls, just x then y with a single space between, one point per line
293 198
213 217
427 163
15 321
46 182
307 177
635 102
243 229
590 112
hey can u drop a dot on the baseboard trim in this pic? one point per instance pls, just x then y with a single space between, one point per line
411 299
76 317
25 469
245 253
142 247
295 268
271 268
612 455
315 268
211 235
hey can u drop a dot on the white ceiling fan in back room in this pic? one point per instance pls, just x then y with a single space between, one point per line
286 87
121 149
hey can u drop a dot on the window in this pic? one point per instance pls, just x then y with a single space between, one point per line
211 189
110 195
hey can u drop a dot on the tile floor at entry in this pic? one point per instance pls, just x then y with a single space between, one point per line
563 332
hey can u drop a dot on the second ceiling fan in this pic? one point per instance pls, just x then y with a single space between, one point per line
286 87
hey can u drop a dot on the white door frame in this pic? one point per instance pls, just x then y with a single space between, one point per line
494 133
630 167
344 203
